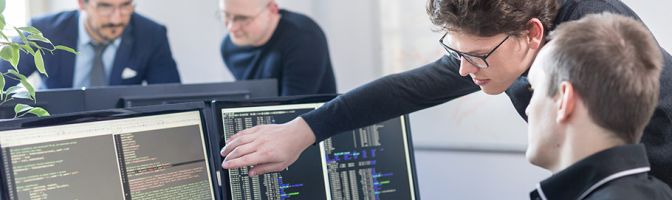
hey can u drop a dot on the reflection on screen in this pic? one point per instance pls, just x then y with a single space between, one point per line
153 157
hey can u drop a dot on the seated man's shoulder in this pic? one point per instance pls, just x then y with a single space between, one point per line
52 20
301 23
640 186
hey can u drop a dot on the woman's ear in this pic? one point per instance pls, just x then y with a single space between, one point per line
535 33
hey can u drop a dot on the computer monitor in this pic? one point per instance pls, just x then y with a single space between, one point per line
374 162
130 96
56 101
155 153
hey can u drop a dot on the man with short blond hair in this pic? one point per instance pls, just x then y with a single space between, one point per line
596 86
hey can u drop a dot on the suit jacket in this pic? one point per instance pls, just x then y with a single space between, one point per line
144 49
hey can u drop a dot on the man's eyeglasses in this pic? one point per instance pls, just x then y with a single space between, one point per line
478 61
105 9
240 19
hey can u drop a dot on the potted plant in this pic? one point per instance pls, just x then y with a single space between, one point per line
31 42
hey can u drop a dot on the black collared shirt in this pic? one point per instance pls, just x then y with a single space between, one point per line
617 173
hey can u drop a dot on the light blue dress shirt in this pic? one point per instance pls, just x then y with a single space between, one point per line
84 60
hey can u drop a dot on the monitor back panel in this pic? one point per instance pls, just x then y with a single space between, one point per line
116 96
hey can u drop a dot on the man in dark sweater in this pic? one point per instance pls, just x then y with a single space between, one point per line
266 42
574 130
491 47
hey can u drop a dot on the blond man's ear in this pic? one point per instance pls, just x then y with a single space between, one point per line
566 101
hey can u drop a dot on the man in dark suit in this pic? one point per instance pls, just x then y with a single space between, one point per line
116 46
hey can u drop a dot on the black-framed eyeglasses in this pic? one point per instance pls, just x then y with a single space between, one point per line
478 61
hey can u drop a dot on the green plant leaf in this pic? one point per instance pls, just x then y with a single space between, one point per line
35 45
23 37
6 53
38 38
16 56
26 48
2 34
28 87
12 90
19 108
24 83
10 53
39 62
16 74
23 109
2 6
31 30
40 112
68 49
2 21
21 94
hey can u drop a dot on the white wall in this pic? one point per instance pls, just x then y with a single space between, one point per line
475 175
195 35
654 15
351 27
